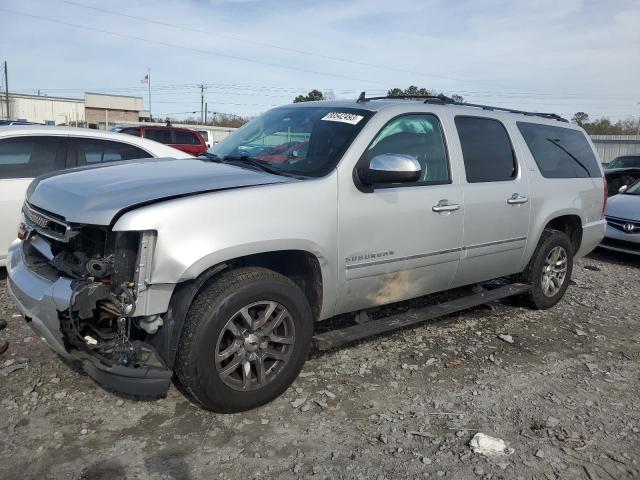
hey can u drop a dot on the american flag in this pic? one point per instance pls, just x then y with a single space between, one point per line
145 80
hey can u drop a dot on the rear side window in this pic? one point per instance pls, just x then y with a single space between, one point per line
560 152
186 138
28 157
486 150
131 131
91 152
162 136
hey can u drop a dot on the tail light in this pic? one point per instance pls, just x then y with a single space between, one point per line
604 204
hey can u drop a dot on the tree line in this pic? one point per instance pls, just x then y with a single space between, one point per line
410 91
604 126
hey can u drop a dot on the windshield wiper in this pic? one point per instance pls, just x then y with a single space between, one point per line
245 160
211 156
252 162
555 142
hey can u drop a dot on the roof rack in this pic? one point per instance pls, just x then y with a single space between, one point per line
443 99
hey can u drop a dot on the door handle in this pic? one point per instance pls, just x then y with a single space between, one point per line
445 206
517 199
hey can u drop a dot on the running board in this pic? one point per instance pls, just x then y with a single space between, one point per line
342 336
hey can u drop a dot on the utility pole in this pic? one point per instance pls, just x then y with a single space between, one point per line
149 90
6 89
202 87
206 119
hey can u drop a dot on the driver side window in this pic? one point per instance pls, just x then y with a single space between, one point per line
420 136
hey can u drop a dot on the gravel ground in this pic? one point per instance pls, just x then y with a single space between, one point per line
561 388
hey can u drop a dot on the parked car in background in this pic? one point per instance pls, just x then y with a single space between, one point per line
188 141
29 151
620 177
625 161
623 221
4 123
286 152
217 276
207 137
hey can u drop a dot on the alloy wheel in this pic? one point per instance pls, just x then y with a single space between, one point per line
554 271
255 345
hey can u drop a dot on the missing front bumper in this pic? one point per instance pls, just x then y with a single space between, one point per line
40 299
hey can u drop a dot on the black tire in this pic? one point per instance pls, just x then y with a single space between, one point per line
533 275
217 304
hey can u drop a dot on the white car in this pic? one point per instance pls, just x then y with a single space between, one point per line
30 151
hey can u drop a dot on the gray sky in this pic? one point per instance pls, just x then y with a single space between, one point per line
560 56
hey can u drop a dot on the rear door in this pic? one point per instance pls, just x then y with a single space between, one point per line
496 199
22 159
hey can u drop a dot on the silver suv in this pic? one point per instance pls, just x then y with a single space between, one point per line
213 271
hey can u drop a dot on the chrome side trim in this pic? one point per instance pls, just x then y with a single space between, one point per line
431 254
499 242
400 259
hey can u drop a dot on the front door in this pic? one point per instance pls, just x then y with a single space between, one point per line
401 241
496 197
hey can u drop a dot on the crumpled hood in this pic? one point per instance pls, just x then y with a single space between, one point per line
625 206
95 195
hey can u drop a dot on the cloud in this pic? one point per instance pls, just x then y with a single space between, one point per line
539 55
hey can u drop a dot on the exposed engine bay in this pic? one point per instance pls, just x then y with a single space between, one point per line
109 270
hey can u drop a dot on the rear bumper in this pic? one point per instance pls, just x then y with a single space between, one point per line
40 300
592 235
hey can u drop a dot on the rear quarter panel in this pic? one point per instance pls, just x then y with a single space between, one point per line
554 197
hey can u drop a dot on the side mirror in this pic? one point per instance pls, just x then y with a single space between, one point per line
390 168
623 188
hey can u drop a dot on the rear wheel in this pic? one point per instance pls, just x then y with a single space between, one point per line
549 270
245 339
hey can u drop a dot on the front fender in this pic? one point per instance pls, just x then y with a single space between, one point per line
198 232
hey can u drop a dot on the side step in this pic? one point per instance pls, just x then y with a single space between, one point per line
342 336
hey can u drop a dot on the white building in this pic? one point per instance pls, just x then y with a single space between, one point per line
95 109
44 109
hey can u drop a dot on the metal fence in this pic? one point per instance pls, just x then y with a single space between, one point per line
612 146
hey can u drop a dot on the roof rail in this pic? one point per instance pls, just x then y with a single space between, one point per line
443 98
448 100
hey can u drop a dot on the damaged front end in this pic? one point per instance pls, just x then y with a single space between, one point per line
93 277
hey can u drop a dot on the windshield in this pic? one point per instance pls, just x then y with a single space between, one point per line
625 162
633 189
306 141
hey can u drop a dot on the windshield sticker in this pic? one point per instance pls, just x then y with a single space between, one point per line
343 117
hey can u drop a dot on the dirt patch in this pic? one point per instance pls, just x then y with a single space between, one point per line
561 388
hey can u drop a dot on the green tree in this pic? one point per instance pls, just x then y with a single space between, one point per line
414 91
312 96
411 90
580 118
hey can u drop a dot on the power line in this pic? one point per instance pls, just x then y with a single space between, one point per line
183 47
270 45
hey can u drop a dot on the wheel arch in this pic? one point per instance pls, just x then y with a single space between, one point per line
571 225
303 267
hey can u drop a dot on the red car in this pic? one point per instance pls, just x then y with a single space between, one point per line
188 141
284 152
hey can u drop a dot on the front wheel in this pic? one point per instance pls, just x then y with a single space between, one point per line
245 339
549 270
